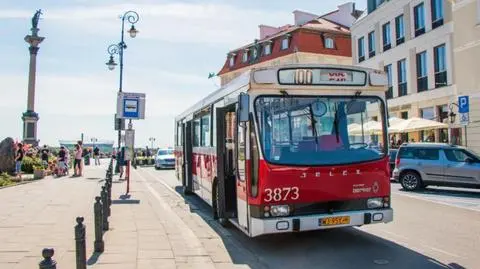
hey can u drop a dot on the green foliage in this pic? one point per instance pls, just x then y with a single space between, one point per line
29 163
5 180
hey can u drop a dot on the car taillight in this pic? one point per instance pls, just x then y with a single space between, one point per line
397 162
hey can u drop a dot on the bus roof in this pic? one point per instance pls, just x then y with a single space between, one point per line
268 77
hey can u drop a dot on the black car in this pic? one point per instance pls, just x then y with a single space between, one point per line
392 154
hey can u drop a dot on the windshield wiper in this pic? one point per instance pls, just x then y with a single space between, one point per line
314 124
335 124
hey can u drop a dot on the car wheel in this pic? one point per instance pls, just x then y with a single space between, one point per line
411 181
157 168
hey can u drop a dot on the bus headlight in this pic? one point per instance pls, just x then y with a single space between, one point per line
374 203
279 210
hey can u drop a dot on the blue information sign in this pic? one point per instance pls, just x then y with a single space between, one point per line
463 104
130 108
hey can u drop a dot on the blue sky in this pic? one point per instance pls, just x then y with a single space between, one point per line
179 43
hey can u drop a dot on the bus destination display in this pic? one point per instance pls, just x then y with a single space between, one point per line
324 76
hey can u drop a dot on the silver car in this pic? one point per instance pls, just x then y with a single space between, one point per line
418 165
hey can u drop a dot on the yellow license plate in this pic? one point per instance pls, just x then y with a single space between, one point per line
334 221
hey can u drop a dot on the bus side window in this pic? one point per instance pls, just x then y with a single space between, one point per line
241 153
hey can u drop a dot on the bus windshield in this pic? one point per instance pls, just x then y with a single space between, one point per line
297 130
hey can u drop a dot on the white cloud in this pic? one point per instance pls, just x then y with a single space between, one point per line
172 22
72 101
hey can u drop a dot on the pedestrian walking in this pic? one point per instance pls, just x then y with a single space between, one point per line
121 160
44 153
18 160
77 163
96 155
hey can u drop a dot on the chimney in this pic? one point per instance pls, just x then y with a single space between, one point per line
266 31
302 17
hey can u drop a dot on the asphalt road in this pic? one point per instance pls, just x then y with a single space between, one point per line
437 228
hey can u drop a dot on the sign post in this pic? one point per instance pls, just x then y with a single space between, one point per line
464 110
130 106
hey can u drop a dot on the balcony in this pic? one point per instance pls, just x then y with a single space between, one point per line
371 54
441 79
422 84
402 89
361 59
419 32
387 46
389 93
400 40
437 23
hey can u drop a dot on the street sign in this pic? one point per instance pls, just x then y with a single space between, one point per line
129 143
131 105
463 104
464 118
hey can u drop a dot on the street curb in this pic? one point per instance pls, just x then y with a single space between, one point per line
19 183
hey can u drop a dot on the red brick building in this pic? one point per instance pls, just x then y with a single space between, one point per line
312 39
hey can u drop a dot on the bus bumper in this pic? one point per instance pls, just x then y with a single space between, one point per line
314 222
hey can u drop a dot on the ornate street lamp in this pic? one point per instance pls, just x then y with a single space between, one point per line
151 139
452 115
131 17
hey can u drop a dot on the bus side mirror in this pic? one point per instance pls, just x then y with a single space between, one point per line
243 107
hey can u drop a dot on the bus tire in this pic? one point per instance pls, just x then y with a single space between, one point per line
223 221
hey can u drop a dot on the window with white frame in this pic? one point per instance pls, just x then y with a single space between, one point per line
329 44
361 49
245 56
285 43
232 60
267 49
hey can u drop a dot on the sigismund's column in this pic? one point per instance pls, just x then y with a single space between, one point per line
30 117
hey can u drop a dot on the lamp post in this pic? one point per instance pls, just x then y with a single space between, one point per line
94 140
452 116
151 139
132 17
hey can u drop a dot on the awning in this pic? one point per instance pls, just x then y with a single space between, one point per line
370 127
416 124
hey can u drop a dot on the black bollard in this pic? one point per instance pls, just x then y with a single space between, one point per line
47 262
104 208
98 245
80 246
108 189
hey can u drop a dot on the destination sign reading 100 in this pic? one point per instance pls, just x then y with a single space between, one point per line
318 76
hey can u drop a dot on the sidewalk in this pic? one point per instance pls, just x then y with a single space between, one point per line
152 228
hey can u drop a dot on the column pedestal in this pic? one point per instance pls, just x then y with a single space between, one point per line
30 120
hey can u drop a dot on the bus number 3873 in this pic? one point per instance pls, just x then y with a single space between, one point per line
281 194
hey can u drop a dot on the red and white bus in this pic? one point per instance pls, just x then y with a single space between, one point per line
286 149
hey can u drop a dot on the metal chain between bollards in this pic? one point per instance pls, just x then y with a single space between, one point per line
104 208
99 245
80 246
47 262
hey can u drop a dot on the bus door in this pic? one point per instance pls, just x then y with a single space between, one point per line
226 164
187 181
241 142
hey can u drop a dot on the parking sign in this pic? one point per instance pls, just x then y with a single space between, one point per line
463 104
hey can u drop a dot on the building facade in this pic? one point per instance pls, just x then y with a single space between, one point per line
466 17
311 39
412 40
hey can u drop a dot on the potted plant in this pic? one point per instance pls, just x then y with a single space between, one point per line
38 172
